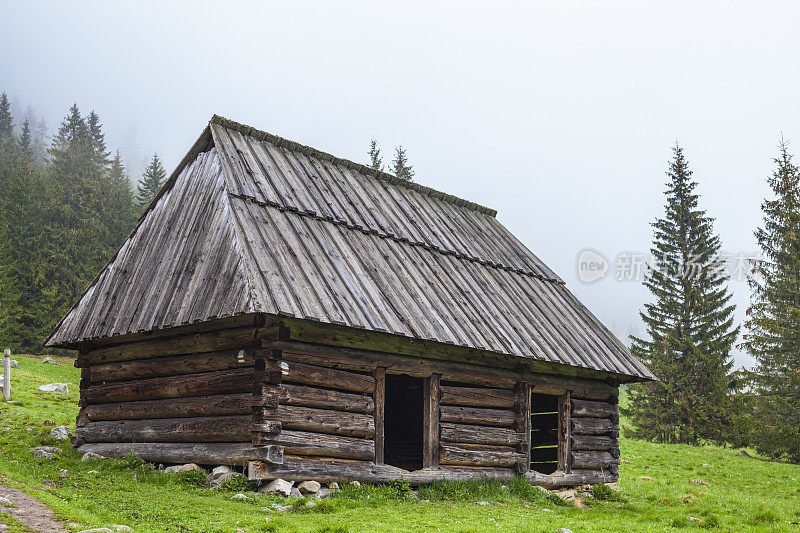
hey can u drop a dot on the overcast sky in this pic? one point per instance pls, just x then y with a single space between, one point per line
560 115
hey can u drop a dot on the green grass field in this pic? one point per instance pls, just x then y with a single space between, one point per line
662 485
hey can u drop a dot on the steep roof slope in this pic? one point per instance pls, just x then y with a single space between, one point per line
319 238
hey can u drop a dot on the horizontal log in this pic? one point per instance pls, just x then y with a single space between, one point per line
485 376
478 397
319 444
476 415
171 365
220 382
590 409
325 399
593 442
478 455
199 453
328 470
193 343
592 459
216 405
469 434
326 421
592 426
200 429
320 376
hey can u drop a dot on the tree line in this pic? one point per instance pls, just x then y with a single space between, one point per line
690 328
64 210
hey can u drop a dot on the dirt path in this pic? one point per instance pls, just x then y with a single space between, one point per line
30 511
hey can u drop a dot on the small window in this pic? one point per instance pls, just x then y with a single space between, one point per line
544 433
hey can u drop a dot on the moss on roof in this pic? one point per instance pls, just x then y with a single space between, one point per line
357 167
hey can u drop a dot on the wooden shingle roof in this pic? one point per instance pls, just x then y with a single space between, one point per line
251 222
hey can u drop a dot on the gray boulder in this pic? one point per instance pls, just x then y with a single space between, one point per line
223 478
309 487
295 493
49 361
182 468
54 387
45 452
220 471
13 363
91 456
277 486
61 432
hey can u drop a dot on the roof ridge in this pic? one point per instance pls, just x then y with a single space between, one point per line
397 239
359 167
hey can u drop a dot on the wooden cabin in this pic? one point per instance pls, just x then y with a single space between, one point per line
307 317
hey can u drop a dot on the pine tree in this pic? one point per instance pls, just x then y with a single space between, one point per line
773 323
97 139
375 159
689 325
123 205
25 137
152 180
6 120
401 168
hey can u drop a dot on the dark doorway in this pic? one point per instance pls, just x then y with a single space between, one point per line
403 421
544 433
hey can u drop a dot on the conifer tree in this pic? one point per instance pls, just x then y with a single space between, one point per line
152 180
375 159
25 137
98 142
773 323
123 205
6 120
689 324
401 168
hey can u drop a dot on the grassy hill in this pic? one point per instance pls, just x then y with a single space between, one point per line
664 487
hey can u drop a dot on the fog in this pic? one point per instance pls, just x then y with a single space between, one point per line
560 115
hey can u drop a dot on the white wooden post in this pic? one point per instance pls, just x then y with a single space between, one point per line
7 375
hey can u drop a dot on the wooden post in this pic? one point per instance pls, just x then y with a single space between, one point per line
565 433
430 428
6 375
379 399
523 424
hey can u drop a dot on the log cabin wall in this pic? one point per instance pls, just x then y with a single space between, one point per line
178 399
594 436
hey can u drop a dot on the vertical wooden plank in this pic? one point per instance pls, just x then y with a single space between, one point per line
430 431
565 433
379 398
523 424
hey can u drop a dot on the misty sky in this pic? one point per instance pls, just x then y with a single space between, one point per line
560 115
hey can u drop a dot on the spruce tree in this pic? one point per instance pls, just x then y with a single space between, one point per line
689 324
123 205
401 168
25 137
773 323
6 120
375 159
152 180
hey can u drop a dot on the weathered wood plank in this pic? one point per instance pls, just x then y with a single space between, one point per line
593 459
326 421
479 455
592 426
171 365
430 422
469 434
305 443
476 415
590 409
593 442
198 343
307 396
294 372
199 453
195 406
479 397
379 397
565 432
219 382
523 393
199 429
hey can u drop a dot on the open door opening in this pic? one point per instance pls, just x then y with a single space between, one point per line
403 422
544 433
